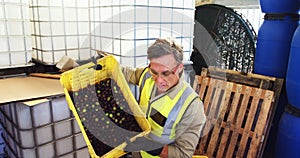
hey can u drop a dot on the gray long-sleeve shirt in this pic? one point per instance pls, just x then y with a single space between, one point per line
189 127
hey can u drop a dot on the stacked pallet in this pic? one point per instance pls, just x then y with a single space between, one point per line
239 109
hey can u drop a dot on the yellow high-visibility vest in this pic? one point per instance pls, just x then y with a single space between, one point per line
164 112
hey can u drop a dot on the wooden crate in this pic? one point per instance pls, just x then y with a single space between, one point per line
239 109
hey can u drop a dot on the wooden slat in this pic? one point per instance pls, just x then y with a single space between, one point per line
226 133
231 128
204 84
209 120
208 96
260 126
54 76
249 122
214 111
217 128
249 79
197 84
214 107
276 88
238 121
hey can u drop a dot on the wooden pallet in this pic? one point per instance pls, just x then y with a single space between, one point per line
239 109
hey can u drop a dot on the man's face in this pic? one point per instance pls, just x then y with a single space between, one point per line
165 72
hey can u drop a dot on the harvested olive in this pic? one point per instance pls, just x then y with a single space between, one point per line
103 111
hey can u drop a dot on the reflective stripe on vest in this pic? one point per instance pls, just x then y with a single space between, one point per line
173 112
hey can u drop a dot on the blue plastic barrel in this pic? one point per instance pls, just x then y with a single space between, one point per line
293 71
273 46
288 138
271 59
279 6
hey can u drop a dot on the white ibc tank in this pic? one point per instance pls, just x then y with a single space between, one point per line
77 28
47 129
60 28
15 34
127 28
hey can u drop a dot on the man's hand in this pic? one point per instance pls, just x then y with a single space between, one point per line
164 152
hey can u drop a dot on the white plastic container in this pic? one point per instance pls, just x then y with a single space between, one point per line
127 28
47 129
57 29
15 32
122 27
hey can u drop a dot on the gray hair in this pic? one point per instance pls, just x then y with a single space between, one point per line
165 46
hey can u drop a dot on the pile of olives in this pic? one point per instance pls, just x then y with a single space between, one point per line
105 115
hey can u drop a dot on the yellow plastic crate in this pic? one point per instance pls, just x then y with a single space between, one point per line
84 86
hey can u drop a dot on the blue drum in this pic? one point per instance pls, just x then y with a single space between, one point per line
288 138
293 71
273 45
280 6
